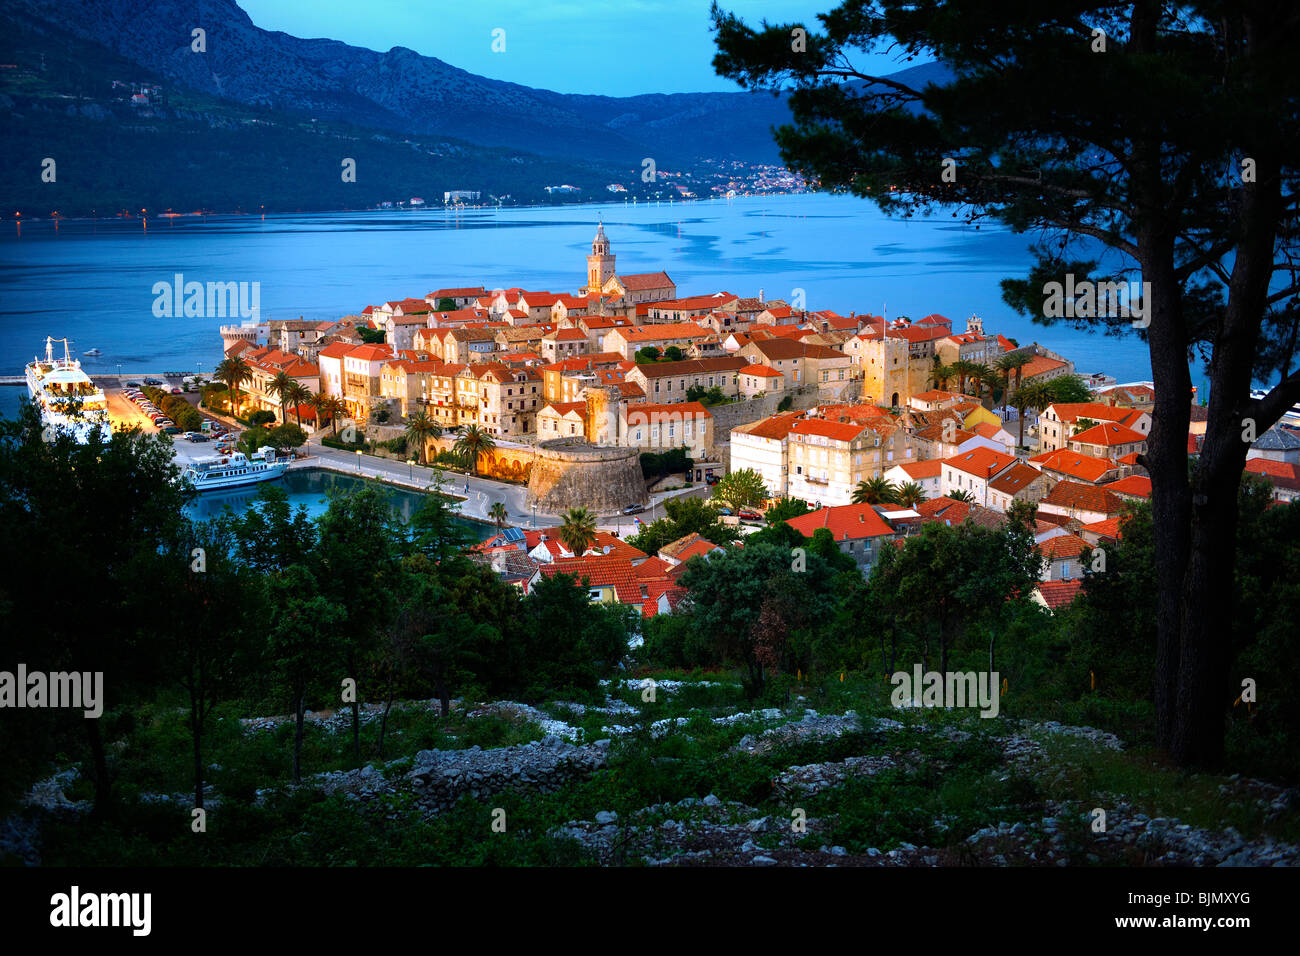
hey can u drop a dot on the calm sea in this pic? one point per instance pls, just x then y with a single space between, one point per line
311 489
93 282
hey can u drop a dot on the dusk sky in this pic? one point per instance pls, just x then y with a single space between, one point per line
615 47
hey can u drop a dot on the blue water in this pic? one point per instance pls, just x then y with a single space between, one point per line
311 489
92 282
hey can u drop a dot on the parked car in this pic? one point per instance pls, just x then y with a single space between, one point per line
711 480
171 430
725 511
633 509
176 391
132 384
751 514
153 381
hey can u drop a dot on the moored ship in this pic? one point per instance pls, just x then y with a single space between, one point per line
213 472
65 395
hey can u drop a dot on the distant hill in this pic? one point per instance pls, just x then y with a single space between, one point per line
184 150
403 91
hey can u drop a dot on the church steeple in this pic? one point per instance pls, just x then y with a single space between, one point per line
600 264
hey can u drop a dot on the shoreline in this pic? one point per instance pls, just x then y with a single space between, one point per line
261 214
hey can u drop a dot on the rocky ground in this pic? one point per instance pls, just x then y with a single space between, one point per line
710 831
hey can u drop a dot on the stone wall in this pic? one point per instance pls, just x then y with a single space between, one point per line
570 473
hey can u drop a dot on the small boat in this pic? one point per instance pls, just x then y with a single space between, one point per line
92 352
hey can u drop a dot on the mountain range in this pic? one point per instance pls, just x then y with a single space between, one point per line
424 124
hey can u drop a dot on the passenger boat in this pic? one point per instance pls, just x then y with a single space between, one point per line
222 472
65 395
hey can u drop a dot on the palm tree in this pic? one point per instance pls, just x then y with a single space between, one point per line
498 514
279 387
420 428
473 441
234 371
875 491
578 532
299 395
989 379
1036 395
941 374
963 370
1011 362
910 494
331 407
961 494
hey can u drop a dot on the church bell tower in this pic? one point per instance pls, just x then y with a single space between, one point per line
600 264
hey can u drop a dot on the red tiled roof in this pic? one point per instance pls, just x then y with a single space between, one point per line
980 462
1075 464
1072 494
844 521
1108 433
669 330
1136 485
1015 479
677 411
1038 365
836 431
641 281
775 427
930 468
1062 546
764 370
1059 593
1280 473
1106 528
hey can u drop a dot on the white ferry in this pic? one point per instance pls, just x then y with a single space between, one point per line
58 385
222 472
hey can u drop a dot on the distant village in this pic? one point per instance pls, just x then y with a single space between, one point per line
880 425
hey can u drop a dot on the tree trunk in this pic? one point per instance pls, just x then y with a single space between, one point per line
196 734
99 760
1205 651
1166 463
356 731
383 724
297 738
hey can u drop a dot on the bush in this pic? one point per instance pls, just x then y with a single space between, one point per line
786 404
332 441
450 459
261 417
671 462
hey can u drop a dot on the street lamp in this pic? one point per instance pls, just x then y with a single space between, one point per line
358 461
410 467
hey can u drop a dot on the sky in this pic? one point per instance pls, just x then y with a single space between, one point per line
611 47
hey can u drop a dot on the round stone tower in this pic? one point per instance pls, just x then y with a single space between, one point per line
572 473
